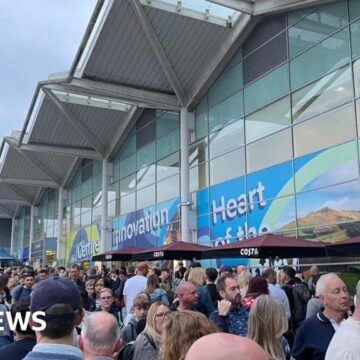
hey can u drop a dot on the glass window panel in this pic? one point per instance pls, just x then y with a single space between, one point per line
235 60
202 106
114 190
97 167
355 39
357 77
167 166
198 152
97 183
328 55
358 114
322 95
228 83
145 197
263 32
77 193
277 181
328 167
226 167
128 184
354 9
145 156
145 176
259 156
168 144
266 58
257 94
270 119
168 189
227 111
77 178
96 215
228 138
86 203
295 16
284 220
201 125
86 187
145 135
326 130
199 177
146 118
112 208
128 166
316 26
127 203
329 205
85 218
129 147
116 170
167 122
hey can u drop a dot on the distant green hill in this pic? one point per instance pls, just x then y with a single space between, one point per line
327 225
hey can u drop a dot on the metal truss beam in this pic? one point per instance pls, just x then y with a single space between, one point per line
28 182
244 25
61 150
159 50
123 130
38 164
6 211
75 122
21 193
267 7
14 202
133 96
246 7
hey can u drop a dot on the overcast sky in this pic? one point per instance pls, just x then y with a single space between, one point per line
37 38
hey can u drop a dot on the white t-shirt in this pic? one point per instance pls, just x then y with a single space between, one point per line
345 344
133 286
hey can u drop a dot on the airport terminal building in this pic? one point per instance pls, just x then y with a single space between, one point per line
181 123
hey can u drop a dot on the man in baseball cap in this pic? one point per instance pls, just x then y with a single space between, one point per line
60 299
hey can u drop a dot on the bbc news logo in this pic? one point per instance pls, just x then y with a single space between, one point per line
38 323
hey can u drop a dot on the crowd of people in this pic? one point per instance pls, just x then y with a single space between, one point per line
146 313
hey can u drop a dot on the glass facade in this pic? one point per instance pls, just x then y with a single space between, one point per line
274 148
288 160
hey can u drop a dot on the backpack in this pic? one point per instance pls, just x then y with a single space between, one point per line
301 295
127 352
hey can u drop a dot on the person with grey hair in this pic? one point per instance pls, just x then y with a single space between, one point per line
100 336
345 344
314 335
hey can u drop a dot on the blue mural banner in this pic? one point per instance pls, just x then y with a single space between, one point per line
149 227
266 201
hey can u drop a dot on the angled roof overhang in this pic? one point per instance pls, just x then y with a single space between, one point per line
135 54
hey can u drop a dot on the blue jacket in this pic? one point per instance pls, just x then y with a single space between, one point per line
312 338
205 304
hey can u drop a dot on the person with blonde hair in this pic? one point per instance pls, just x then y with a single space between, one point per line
243 280
267 324
205 305
147 344
181 330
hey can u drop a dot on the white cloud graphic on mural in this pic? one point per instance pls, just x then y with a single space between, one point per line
335 175
345 203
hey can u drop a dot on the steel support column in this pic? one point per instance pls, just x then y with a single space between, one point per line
184 174
12 241
31 239
60 244
104 206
